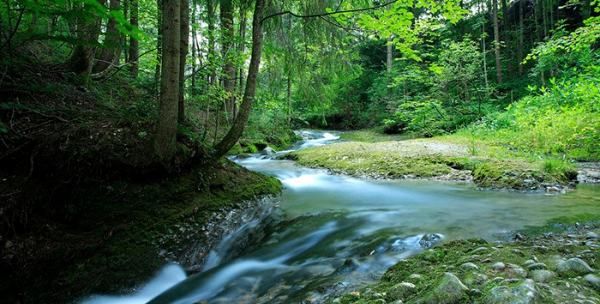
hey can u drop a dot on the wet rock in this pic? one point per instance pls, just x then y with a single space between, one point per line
591 235
430 239
542 275
469 266
401 291
498 266
479 250
268 151
573 267
523 293
593 281
536 266
449 290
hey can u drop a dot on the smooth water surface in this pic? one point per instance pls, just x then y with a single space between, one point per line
343 232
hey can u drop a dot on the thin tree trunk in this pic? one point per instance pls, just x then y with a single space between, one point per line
497 41
210 19
194 49
82 59
289 98
166 130
389 55
134 50
236 130
111 48
159 28
183 51
484 53
520 46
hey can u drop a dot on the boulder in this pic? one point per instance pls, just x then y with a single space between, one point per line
523 293
542 275
401 291
450 290
573 267
430 239
469 266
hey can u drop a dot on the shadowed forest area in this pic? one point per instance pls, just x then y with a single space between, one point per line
126 126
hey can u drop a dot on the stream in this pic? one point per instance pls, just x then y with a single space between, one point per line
342 233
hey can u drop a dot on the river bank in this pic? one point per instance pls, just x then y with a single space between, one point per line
559 265
449 158
130 229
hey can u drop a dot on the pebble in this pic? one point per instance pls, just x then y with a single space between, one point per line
479 249
591 235
469 266
498 266
536 266
593 280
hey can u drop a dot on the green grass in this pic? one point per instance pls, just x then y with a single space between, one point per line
373 135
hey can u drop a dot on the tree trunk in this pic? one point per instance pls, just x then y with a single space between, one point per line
227 33
159 27
210 19
484 52
389 55
520 46
497 41
111 48
183 51
289 98
82 58
166 130
134 49
242 46
236 130
194 49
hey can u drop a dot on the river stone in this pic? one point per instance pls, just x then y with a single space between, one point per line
515 271
415 276
268 151
450 290
469 266
536 266
498 266
573 267
593 280
479 249
591 235
401 291
523 293
430 239
542 275
475 279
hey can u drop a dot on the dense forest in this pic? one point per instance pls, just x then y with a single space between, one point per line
116 114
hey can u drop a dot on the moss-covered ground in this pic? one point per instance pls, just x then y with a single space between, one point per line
455 157
497 272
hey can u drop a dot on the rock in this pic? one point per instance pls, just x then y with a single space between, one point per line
515 271
536 266
401 291
430 239
573 267
591 235
593 280
268 151
449 290
528 262
415 276
479 250
475 279
542 275
524 293
469 266
498 266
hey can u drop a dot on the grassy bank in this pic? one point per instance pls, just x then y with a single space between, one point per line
454 157
554 267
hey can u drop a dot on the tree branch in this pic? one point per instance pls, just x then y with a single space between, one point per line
328 13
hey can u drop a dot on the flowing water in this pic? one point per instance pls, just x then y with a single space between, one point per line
344 232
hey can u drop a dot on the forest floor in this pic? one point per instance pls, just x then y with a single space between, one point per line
453 158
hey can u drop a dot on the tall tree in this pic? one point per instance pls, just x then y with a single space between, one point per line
240 121
227 34
87 28
134 49
496 41
159 44
166 129
183 51
111 47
